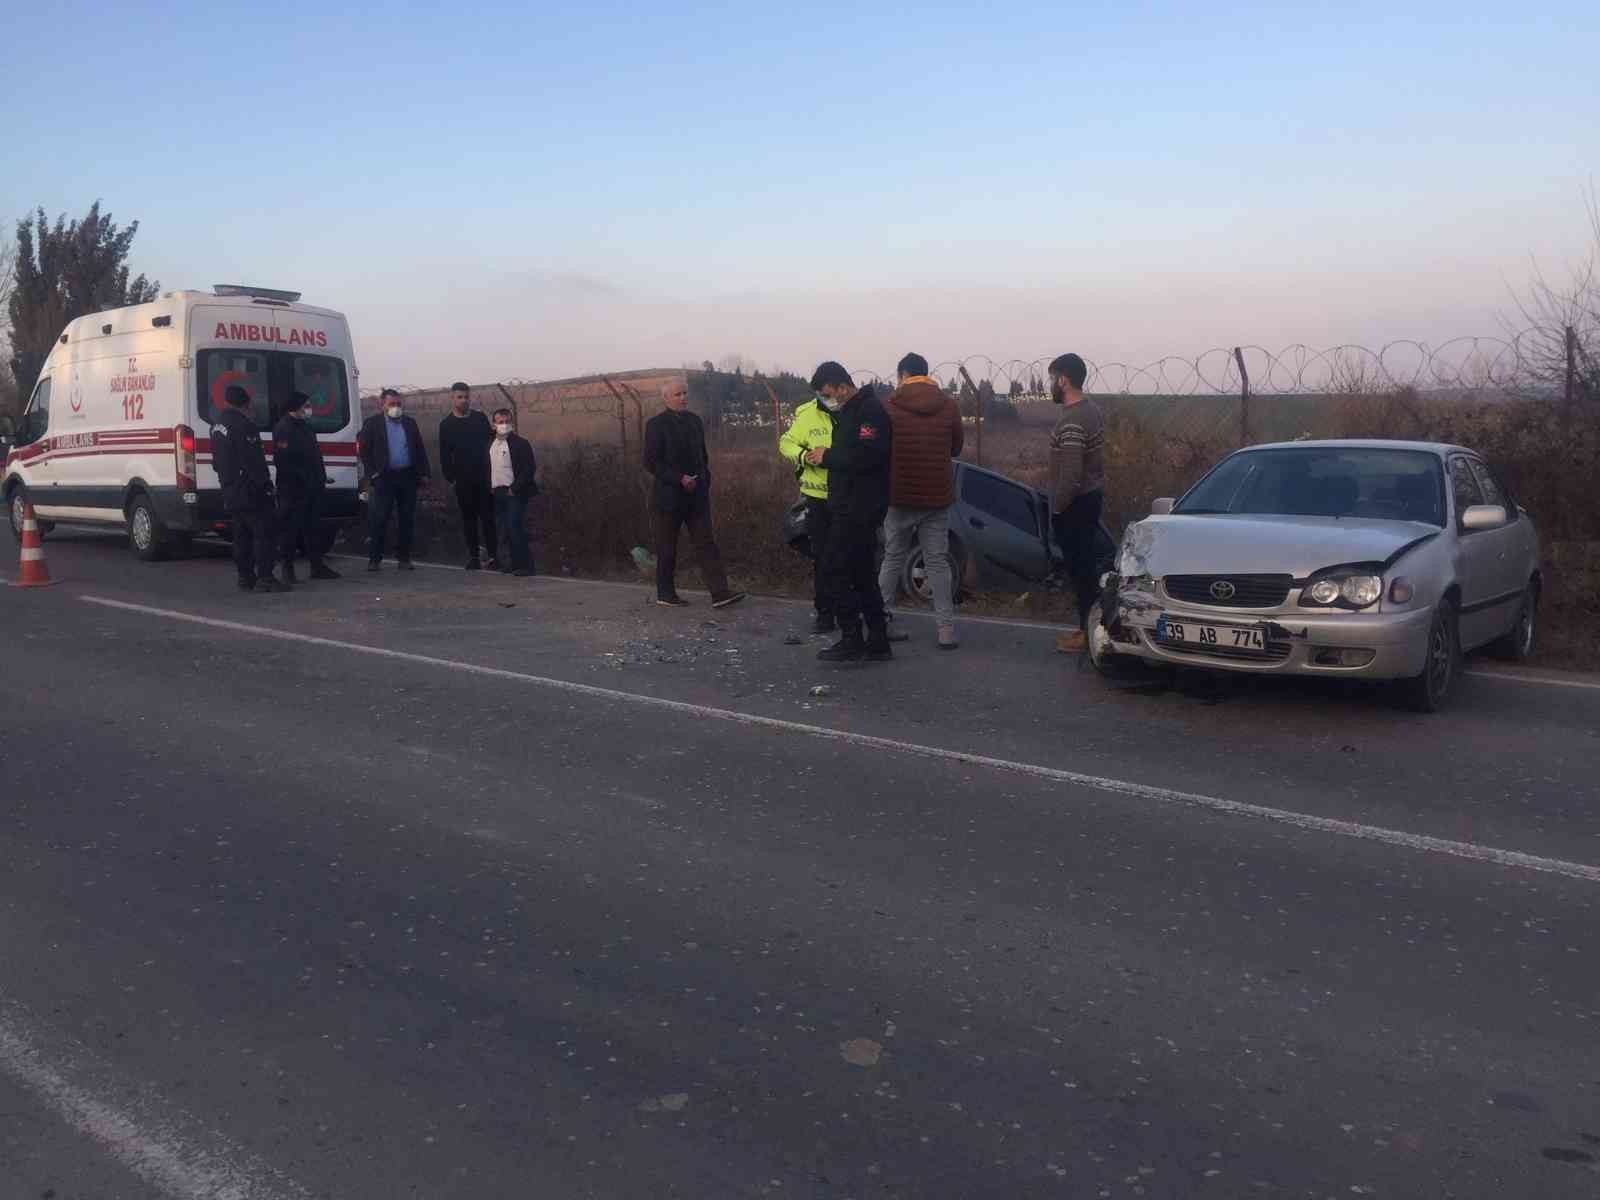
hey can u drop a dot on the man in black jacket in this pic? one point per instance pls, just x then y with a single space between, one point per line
464 440
302 478
391 450
858 498
512 471
241 467
675 454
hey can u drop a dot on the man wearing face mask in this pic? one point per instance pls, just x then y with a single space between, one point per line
857 463
511 481
241 467
464 441
397 464
302 478
811 428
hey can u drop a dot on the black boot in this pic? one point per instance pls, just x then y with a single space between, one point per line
321 570
289 576
877 648
849 648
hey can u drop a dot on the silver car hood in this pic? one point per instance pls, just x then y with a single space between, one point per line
1266 545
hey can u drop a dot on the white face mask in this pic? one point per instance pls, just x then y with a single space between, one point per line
394 411
502 431
302 414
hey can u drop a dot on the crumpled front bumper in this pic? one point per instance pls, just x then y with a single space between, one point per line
1299 642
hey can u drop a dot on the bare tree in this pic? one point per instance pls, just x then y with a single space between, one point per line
10 402
1561 319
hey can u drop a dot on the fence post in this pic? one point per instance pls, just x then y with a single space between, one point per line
622 415
638 412
1571 389
516 417
977 407
1244 397
777 409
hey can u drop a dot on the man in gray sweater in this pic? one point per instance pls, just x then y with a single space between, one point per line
1077 473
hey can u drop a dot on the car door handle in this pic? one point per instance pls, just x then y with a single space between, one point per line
975 523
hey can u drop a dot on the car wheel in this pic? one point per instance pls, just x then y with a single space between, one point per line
1428 691
1517 644
914 579
146 537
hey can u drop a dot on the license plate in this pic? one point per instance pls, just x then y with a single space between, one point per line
1246 639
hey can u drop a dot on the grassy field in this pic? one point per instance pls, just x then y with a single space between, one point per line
593 510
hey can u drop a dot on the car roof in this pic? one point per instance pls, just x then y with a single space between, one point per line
1439 448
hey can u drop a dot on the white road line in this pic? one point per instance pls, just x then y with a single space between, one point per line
1121 787
167 1149
1545 680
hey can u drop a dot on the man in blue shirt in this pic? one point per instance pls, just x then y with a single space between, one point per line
396 461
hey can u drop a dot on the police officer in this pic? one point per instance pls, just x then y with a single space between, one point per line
241 468
857 462
302 478
812 427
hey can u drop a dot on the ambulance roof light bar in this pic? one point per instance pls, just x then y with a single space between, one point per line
258 293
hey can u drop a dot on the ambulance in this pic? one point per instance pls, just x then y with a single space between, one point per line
117 431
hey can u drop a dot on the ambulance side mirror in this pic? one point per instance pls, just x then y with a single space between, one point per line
8 431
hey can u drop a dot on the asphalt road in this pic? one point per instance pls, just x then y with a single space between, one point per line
437 885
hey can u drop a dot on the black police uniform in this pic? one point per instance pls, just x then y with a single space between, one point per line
241 468
858 498
302 479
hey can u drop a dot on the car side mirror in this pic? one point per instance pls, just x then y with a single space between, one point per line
1161 507
1484 516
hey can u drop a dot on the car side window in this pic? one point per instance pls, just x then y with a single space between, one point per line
37 421
1493 493
1000 499
1464 482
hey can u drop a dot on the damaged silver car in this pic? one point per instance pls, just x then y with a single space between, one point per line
1377 560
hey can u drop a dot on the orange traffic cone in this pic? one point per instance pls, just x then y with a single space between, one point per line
34 572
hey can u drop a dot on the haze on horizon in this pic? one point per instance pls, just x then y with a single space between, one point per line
518 193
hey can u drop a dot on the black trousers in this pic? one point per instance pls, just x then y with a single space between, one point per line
255 541
477 504
698 521
850 570
297 523
392 492
818 522
1075 529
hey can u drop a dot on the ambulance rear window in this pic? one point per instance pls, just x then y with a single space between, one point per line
271 377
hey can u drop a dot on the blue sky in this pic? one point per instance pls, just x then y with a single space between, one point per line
497 191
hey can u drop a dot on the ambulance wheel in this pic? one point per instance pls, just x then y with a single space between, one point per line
146 537
15 503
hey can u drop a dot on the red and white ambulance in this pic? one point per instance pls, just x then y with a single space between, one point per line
117 430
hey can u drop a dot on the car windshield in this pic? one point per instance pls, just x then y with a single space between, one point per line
1324 481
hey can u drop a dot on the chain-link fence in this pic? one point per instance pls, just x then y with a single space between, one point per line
1257 391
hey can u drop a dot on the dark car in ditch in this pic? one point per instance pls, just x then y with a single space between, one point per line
1000 537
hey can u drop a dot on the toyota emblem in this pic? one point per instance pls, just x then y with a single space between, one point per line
1222 590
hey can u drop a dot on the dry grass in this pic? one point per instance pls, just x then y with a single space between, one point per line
593 510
